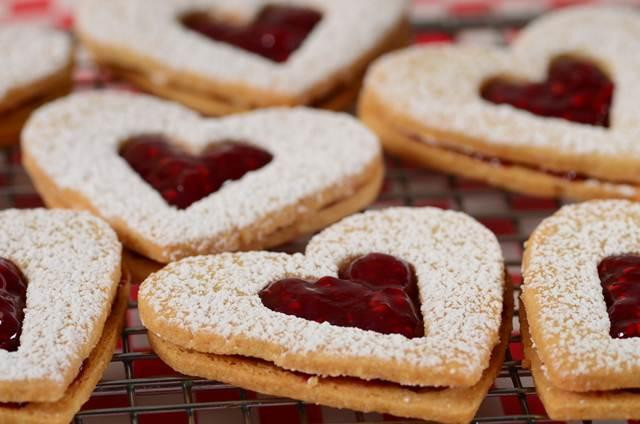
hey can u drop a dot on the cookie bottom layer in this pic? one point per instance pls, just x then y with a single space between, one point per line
564 405
62 411
339 99
13 119
448 405
516 178
214 98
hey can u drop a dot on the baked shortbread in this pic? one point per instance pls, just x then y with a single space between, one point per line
36 67
224 56
468 110
62 311
175 185
413 325
581 273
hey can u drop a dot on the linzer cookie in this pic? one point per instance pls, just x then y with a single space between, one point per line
581 329
553 115
36 67
224 56
400 311
62 311
174 185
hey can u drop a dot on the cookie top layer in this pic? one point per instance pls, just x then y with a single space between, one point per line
435 92
72 263
29 54
563 295
211 303
70 147
348 30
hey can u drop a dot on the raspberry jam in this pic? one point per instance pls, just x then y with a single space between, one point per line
501 162
496 161
620 277
181 178
13 300
374 292
575 90
275 33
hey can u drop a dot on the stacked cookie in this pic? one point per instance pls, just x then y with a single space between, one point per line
221 57
483 113
63 304
403 311
173 184
581 312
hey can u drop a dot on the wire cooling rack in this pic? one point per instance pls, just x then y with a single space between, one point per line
139 388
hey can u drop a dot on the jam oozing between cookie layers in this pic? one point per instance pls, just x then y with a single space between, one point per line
572 176
620 278
376 292
13 300
575 90
275 33
182 178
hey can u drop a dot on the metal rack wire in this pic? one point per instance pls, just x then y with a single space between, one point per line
139 389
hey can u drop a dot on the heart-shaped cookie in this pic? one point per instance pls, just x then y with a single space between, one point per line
581 272
234 304
324 166
36 67
212 303
488 113
221 56
71 265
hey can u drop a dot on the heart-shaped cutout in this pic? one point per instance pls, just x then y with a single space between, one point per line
292 67
620 278
213 303
71 261
324 166
182 178
274 33
575 90
374 292
425 104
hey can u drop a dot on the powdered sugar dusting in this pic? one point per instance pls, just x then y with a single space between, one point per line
562 279
458 264
70 260
439 85
348 30
30 53
75 142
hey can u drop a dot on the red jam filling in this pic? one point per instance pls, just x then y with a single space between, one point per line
566 175
575 90
13 300
275 33
374 292
496 161
620 277
181 178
